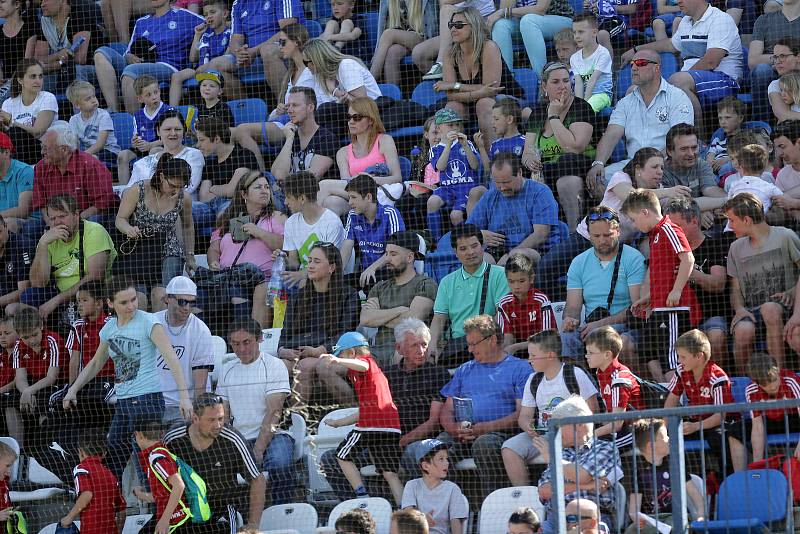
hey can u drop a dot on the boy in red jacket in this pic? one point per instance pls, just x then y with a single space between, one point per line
7 458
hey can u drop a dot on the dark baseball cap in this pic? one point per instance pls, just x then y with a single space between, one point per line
407 240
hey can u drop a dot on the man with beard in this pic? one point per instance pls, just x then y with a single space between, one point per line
405 294
606 279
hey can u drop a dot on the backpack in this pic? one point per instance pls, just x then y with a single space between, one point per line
653 394
569 379
195 495
16 524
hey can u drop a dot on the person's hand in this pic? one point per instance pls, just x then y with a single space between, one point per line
530 162
569 324
258 452
289 130
281 108
65 521
626 57
243 56
5 515
56 233
162 527
465 434
133 232
140 144
442 86
214 265
5 118
133 59
328 358
641 307
200 28
690 427
141 494
429 519
741 314
405 440
251 229
716 164
595 181
288 354
368 276
493 89
451 136
433 351
786 202
335 423
48 307
706 219
27 401
191 263
493 239
293 278
544 448
784 297
791 325
588 328
70 400
478 138
186 407
673 298
494 17
556 106
680 190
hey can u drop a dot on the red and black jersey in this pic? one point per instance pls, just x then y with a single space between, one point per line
5 496
667 241
51 354
84 337
157 461
619 387
99 516
523 319
376 408
7 371
789 389
714 387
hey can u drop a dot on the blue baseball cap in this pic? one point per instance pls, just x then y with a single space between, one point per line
427 446
349 340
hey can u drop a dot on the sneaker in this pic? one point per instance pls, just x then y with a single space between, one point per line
435 73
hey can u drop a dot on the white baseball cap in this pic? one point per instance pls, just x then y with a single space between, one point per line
182 285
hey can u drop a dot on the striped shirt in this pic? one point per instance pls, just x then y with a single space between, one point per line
370 237
789 389
525 318
714 387
715 29
51 351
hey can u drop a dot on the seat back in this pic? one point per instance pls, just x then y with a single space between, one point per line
390 90
405 168
443 261
11 442
424 94
500 504
123 129
759 494
371 27
530 84
248 110
298 432
301 517
669 64
324 430
322 10
378 508
314 28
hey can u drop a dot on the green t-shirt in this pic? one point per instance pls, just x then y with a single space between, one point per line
64 255
580 111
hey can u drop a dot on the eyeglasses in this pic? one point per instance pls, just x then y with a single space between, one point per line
473 345
572 518
459 24
183 302
281 42
356 117
307 62
781 57
642 62
603 215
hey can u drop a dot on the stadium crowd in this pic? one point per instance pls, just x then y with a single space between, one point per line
623 213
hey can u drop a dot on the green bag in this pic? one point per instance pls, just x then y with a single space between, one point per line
16 524
195 495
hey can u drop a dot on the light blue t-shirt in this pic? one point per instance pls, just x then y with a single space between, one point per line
18 179
135 355
494 388
588 274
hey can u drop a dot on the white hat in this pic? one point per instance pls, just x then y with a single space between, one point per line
181 285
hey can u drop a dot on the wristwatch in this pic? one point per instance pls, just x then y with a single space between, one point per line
457 86
551 117
598 162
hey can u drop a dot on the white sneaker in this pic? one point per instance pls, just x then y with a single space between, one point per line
435 73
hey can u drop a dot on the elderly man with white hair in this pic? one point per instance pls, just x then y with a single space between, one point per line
589 464
66 170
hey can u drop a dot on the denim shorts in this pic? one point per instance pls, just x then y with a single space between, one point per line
160 71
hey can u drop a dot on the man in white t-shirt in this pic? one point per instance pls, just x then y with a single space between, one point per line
256 388
553 382
191 339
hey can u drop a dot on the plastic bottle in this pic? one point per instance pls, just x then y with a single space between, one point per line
276 290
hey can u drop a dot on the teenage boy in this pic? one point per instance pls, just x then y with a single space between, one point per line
551 382
100 504
619 388
442 501
506 117
211 87
166 484
770 382
377 420
671 300
591 64
706 383
525 310
369 225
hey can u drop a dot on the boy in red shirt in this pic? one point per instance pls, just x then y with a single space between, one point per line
619 387
770 382
671 302
9 396
38 358
7 458
171 511
99 500
377 420
525 310
705 383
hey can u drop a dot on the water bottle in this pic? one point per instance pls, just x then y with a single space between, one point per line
275 288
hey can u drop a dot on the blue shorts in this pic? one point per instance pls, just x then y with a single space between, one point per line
715 323
255 68
160 71
711 87
668 19
454 196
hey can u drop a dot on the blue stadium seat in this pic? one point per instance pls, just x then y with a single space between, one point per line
425 95
321 10
405 167
248 110
529 81
123 129
623 82
669 64
408 131
576 5
443 261
619 152
390 90
314 27
371 22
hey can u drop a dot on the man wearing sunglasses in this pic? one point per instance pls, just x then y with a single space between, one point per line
191 339
583 517
643 117
711 49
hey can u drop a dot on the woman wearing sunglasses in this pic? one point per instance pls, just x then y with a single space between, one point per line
252 205
341 78
474 71
315 318
560 140
150 251
371 150
402 25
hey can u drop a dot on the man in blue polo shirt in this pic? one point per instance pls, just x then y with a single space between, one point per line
16 185
517 215
16 256
255 26
369 224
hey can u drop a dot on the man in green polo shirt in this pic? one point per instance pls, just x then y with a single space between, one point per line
460 295
56 273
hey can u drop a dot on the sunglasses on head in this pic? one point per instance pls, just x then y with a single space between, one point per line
603 215
307 62
459 24
356 117
323 244
208 400
641 62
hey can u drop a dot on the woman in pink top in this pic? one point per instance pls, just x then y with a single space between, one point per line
370 146
253 199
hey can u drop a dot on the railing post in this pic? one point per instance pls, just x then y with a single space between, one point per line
677 474
557 501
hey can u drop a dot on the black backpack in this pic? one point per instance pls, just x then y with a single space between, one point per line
569 379
653 394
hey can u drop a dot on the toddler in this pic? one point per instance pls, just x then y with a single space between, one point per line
789 85
341 29
92 125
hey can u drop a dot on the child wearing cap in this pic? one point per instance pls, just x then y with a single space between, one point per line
211 39
211 86
457 159
377 420
440 500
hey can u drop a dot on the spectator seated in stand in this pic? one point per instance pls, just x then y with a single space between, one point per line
92 125
343 30
211 86
786 138
16 186
9 396
785 62
16 256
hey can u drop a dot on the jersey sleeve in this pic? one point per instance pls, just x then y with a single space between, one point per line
677 240
162 464
720 389
348 226
675 385
503 319
56 350
621 389
435 153
83 480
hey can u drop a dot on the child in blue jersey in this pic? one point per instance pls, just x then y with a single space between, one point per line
211 39
145 138
591 64
456 158
611 24
506 116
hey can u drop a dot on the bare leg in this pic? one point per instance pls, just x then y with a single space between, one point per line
246 135
274 68
516 469
351 473
570 195
124 159
744 334
262 314
129 95
395 485
108 21
772 314
659 29
686 82
107 79
176 85
424 54
654 366
738 454
333 377
719 345
336 204
391 68
445 12
15 424
475 195
304 379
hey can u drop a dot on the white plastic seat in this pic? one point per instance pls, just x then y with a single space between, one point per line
134 523
379 509
325 439
270 337
37 474
220 361
500 504
300 517
298 432
51 528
